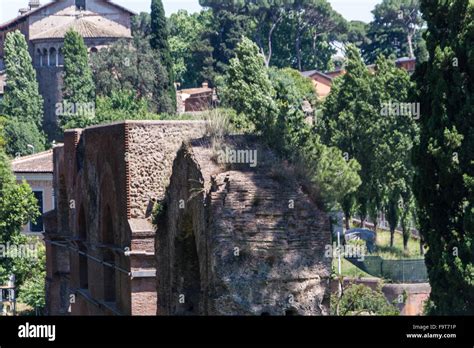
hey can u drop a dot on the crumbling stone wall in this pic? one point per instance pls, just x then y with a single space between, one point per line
104 177
236 240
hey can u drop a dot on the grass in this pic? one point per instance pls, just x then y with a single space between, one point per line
348 269
385 251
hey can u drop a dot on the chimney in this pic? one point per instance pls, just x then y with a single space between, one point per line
205 84
34 4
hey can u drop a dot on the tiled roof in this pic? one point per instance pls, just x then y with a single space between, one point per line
84 27
38 163
311 73
3 25
193 91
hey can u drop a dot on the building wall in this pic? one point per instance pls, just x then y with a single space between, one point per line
104 178
39 182
56 15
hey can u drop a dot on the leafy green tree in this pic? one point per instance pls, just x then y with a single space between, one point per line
165 91
141 25
22 99
275 107
444 158
395 30
230 24
78 88
398 134
126 66
359 299
354 120
314 20
24 138
22 103
17 206
247 75
190 47
349 122
121 105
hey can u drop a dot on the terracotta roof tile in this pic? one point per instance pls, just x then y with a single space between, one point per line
38 163
85 28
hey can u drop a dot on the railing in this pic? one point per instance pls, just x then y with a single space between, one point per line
398 271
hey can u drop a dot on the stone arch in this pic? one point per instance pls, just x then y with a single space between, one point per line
187 269
107 236
60 56
39 58
53 56
45 57
82 241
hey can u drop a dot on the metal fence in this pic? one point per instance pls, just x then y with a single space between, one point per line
398 271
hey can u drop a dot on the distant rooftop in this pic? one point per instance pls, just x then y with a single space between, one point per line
38 163
35 6
84 27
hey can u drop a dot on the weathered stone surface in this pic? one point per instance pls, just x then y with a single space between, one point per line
237 247
106 177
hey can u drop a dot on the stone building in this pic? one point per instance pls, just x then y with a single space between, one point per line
229 239
99 239
99 22
199 99
37 171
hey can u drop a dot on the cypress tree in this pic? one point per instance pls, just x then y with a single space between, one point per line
22 104
78 88
444 184
165 91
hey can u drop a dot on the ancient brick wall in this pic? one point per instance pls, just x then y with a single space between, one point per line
96 171
239 240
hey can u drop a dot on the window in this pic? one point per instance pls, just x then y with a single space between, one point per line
37 226
81 4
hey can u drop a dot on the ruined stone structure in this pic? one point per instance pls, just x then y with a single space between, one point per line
230 239
99 22
99 239
237 240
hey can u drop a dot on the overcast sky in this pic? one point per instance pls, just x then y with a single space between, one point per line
350 9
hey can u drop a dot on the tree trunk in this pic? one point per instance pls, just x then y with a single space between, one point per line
422 251
298 50
406 237
348 219
270 42
392 235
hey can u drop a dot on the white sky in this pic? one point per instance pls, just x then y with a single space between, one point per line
350 9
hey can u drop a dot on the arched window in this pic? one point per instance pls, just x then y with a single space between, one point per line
61 57
110 293
45 57
81 4
39 58
94 50
53 57
82 236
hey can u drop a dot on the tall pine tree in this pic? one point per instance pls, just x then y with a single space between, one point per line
444 184
22 104
165 91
